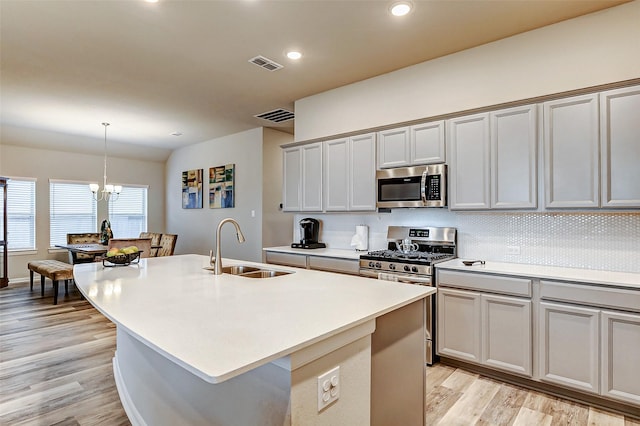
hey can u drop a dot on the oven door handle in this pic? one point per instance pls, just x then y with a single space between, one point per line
414 280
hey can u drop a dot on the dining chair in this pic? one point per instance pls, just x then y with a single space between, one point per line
143 244
85 238
167 245
155 241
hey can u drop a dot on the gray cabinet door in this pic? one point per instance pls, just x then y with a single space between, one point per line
292 179
571 144
336 175
393 148
620 147
312 177
458 324
506 334
569 346
621 356
468 153
514 150
427 143
362 172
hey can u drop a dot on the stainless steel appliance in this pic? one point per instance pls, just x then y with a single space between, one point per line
419 186
410 255
309 234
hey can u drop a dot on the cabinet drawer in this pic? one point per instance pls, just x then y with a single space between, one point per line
286 259
334 265
608 297
485 282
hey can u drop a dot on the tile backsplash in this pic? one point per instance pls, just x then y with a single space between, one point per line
602 241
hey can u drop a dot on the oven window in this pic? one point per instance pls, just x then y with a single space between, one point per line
400 189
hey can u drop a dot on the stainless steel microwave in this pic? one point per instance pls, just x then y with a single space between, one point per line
418 186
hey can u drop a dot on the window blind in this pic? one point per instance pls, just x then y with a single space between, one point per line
128 214
72 209
21 214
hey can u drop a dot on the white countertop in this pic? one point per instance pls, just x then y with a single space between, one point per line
221 326
587 276
324 252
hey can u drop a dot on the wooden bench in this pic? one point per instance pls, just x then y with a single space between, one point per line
55 271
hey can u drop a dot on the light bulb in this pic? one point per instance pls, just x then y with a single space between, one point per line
400 9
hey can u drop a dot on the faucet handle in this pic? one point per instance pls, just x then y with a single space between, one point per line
212 259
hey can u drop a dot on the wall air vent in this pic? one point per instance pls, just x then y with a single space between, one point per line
266 63
276 116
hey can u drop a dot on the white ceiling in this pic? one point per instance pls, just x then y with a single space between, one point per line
181 65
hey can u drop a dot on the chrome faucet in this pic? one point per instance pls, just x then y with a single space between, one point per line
217 262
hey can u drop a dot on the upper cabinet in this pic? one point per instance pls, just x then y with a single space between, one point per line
335 175
302 182
571 163
411 145
350 174
620 147
492 160
592 150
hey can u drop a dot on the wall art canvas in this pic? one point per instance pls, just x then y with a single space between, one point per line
221 183
192 189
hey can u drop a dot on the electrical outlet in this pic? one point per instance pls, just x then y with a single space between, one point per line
513 250
328 388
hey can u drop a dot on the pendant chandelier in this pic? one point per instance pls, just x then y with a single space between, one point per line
108 192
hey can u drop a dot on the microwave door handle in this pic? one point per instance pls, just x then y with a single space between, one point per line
423 187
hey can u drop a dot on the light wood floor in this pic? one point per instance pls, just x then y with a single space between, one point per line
55 369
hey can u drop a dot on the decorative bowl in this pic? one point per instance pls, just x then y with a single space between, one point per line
122 259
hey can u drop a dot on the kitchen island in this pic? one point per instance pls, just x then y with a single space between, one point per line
198 348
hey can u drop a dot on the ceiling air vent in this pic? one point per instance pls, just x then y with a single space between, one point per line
266 63
276 116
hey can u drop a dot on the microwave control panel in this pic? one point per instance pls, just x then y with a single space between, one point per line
433 186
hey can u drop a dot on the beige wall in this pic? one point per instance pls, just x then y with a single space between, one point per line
596 49
277 229
196 228
45 164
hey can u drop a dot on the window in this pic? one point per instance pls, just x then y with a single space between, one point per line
21 214
72 209
128 214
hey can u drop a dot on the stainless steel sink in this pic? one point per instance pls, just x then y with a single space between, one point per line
238 269
250 271
265 273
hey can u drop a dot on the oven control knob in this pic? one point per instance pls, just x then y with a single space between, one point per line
378 265
371 264
392 266
414 269
406 268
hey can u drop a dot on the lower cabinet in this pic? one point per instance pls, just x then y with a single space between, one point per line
319 263
580 336
569 346
591 350
620 339
488 329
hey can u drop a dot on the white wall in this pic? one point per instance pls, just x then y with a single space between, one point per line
42 164
595 49
196 228
276 225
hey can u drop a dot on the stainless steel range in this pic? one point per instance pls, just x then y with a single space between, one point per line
410 255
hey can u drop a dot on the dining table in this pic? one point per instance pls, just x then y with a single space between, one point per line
94 249
85 248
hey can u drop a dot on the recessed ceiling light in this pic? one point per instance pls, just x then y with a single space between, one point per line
151 1
400 8
294 55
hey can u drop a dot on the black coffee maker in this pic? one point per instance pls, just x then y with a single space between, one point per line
309 232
